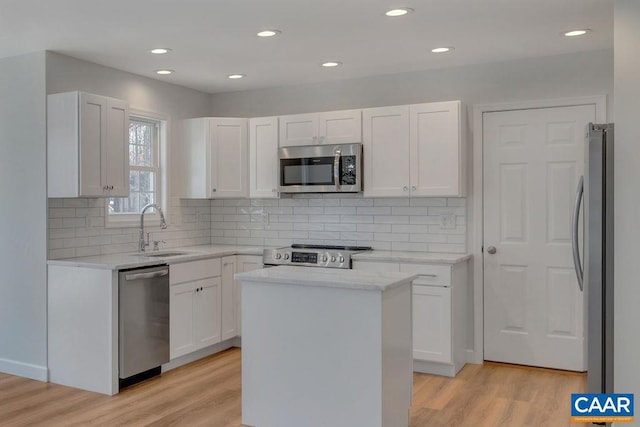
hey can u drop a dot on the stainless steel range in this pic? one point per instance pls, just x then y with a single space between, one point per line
312 255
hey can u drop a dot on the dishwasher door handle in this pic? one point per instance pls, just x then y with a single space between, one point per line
150 275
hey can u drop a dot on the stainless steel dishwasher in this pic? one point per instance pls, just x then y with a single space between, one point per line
143 320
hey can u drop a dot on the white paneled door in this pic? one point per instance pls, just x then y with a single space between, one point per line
533 309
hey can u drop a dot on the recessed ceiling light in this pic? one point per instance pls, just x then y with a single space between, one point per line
164 72
268 33
574 33
160 50
398 12
235 76
330 64
441 49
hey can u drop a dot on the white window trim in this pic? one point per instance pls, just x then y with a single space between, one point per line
153 219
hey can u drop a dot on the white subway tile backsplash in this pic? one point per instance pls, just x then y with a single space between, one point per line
357 219
324 235
428 201
75 203
324 218
345 235
392 237
308 226
324 202
304 210
409 211
62 212
446 247
356 202
74 222
405 246
374 228
341 227
401 228
391 202
428 238
391 219
379 210
421 219
77 226
447 210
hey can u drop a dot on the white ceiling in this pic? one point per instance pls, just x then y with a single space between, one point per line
213 38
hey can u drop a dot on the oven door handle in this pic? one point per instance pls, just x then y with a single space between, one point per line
336 168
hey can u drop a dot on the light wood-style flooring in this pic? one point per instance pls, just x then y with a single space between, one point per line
207 393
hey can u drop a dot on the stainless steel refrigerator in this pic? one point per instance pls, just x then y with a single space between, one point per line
596 277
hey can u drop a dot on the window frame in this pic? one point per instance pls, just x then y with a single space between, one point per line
126 220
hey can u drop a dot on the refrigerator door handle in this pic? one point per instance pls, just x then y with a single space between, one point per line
577 263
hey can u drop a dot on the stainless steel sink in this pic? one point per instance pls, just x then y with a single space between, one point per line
165 254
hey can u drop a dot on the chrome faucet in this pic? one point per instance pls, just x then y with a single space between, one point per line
142 244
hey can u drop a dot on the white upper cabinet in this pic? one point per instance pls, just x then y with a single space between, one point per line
263 157
331 127
435 144
87 146
217 158
413 150
386 151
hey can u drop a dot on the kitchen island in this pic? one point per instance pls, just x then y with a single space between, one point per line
325 347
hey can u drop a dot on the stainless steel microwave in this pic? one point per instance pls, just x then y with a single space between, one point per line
330 168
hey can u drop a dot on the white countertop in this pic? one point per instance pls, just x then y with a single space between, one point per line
406 256
193 253
327 277
134 260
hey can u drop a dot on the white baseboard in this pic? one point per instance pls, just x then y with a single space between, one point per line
27 370
474 358
199 354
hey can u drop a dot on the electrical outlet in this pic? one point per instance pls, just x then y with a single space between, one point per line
447 222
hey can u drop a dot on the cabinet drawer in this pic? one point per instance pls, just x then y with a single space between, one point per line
195 270
429 274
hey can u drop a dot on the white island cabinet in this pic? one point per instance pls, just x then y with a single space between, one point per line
326 347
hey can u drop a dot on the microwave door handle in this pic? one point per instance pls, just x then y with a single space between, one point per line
336 169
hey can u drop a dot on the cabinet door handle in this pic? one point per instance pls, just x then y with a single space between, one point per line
413 188
213 190
405 188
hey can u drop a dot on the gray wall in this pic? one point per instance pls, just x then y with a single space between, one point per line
627 198
587 73
23 220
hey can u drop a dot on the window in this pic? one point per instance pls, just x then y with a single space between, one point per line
144 175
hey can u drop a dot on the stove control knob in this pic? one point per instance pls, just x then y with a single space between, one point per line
286 256
341 259
278 255
333 259
325 258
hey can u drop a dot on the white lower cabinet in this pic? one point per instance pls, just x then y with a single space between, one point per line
205 301
439 311
195 306
229 297
432 307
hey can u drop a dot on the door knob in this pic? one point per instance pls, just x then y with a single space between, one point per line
491 250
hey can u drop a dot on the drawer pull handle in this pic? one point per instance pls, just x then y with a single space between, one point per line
429 275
